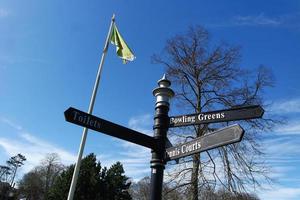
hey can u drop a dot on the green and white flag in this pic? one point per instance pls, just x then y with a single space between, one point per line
123 51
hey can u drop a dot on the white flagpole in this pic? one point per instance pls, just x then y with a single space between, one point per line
91 107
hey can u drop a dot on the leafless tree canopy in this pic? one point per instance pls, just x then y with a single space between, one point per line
37 183
207 77
141 191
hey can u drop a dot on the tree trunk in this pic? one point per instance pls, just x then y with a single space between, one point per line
196 157
194 178
13 178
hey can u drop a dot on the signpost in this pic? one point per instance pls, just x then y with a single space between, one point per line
238 113
162 149
221 137
95 123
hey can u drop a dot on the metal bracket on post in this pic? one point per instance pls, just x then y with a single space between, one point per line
161 124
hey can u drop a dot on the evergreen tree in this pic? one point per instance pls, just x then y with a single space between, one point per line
7 176
117 183
60 189
14 163
94 182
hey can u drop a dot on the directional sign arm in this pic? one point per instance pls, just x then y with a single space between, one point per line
92 122
233 114
221 137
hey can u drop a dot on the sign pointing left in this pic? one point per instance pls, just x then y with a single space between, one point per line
95 123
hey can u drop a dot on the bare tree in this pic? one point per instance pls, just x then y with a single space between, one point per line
49 170
141 191
31 186
14 163
37 183
206 78
5 173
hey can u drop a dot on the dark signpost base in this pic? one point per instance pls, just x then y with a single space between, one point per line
162 150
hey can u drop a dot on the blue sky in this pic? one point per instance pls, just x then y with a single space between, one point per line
50 51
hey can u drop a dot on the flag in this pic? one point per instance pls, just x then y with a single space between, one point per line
123 51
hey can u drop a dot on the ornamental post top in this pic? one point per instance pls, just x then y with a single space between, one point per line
164 82
163 93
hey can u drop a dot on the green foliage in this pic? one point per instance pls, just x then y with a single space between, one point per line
7 176
94 182
117 183
31 186
5 173
36 183
13 164
4 190
60 189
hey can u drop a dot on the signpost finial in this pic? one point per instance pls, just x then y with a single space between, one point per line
163 93
164 82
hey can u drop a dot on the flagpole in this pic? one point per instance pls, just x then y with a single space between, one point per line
91 107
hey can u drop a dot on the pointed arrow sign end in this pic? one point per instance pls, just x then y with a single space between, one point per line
68 113
239 132
261 111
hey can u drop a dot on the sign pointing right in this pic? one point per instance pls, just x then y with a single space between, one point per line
228 135
238 113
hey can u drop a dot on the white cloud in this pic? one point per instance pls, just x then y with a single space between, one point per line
282 154
33 148
282 143
282 149
291 128
3 12
10 123
142 123
142 120
289 109
286 106
281 193
289 20
135 160
254 20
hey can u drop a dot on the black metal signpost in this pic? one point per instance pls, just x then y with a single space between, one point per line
162 151
161 124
